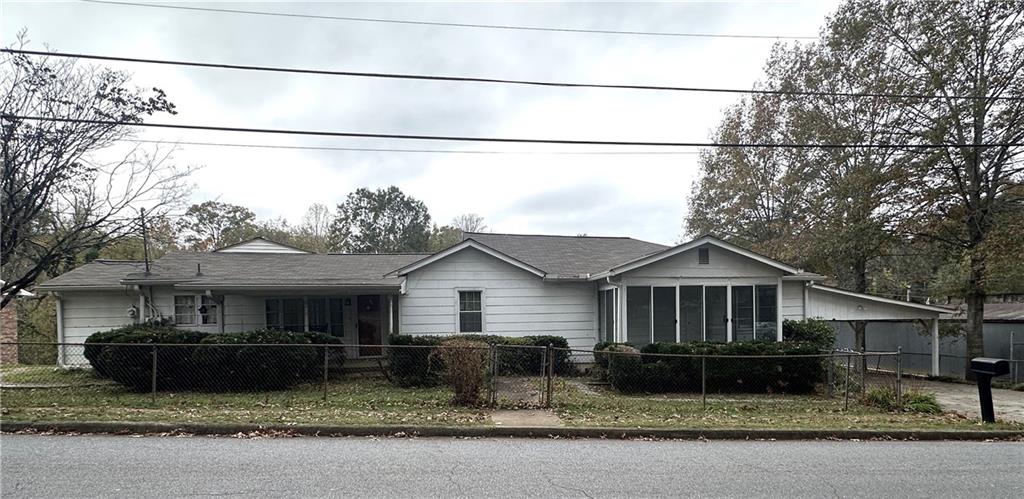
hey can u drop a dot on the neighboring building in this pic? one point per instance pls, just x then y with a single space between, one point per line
9 329
586 289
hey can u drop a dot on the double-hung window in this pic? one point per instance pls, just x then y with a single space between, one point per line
185 309
471 312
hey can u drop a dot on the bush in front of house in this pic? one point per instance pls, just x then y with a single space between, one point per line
653 369
465 368
208 361
410 363
818 332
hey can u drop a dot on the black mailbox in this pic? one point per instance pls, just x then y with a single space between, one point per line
989 366
985 369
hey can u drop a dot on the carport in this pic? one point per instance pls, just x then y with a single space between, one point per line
834 304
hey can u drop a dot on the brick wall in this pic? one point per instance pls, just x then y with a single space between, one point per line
9 333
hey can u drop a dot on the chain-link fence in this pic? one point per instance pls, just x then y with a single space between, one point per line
260 376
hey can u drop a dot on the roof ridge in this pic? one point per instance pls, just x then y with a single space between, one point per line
558 235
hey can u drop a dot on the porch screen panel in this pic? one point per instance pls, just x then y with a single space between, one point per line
273 314
638 315
665 314
715 318
767 313
691 313
609 316
742 313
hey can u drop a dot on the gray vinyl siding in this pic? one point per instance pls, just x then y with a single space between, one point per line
87 312
722 264
515 302
792 300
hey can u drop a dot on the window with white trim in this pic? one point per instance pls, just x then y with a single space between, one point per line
185 309
471 312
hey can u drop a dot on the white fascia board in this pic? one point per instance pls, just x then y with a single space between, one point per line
468 243
888 301
649 259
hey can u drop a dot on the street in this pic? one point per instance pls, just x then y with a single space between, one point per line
90 466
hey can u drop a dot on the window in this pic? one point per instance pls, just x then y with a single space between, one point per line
325 316
185 309
471 313
207 310
767 313
286 314
703 256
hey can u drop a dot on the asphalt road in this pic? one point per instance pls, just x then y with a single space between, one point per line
89 466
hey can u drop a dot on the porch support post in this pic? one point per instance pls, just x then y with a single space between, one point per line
391 314
778 310
935 346
728 313
141 318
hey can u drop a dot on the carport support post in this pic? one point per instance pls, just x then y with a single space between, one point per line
935 347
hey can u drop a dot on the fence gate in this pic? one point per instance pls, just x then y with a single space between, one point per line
517 375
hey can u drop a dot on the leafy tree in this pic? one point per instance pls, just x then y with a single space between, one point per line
60 198
444 237
969 48
315 231
381 221
211 224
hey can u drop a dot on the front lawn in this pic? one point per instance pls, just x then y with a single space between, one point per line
350 401
581 405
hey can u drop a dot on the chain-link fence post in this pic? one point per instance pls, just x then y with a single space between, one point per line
325 372
830 368
152 395
703 384
863 365
493 359
899 376
846 384
550 374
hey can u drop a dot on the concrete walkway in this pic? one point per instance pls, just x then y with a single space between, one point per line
963 398
525 417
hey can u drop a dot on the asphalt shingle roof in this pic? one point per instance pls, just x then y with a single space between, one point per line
567 256
95 274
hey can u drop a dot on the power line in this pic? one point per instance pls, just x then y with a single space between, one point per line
507 140
457 25
406 76
427 151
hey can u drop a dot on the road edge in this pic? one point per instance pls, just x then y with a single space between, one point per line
210 429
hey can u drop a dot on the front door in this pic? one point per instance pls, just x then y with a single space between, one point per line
716 318
370 324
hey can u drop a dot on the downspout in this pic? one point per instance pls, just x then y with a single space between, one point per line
61 354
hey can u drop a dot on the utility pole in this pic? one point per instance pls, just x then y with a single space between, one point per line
145 238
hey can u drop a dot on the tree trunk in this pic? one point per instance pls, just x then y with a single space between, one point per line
975 301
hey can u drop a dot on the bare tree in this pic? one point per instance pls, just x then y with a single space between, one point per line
469 222
60 196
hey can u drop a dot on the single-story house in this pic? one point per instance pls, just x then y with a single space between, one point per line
586 289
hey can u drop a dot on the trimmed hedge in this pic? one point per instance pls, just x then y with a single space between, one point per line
204 366
416 367
631 372
820 333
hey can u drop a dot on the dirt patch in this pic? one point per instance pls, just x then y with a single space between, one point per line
518 391
525 417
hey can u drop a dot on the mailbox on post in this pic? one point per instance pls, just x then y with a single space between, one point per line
985 369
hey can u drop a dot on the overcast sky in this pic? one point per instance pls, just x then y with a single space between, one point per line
643 196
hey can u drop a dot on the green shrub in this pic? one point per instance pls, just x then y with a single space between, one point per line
201 364
913 401
818 332
413 366
416 367
660 371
